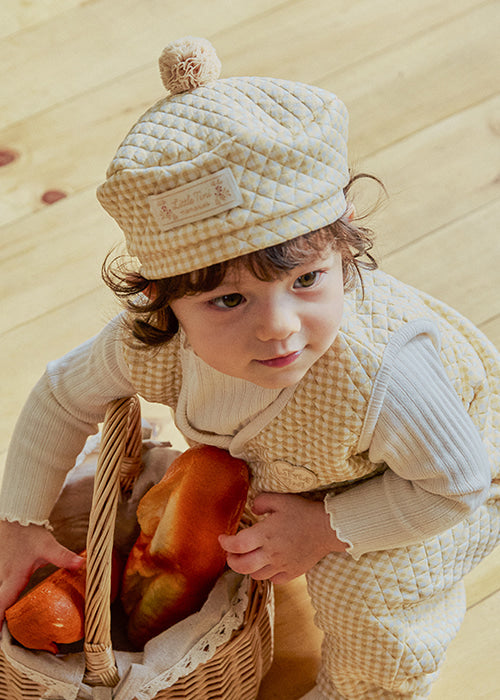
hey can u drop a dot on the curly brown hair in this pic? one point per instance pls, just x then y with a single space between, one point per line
152 322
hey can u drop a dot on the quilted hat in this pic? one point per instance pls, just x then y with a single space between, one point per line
223 167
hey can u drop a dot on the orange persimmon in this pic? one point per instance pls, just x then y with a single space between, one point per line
52 612
177 557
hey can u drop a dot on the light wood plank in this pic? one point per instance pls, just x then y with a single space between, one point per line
483 581
52 154
452 275
98 41
63 248
492 329
471 671
421 80
26 349
308 40
297 642
438 175
16 16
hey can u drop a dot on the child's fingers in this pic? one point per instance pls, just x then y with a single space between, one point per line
257 566
251 563
29 548
243 542
10 590
265 503
62 557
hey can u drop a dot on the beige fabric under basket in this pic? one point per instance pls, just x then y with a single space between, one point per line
235 670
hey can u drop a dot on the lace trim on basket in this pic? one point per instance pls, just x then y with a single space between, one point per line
48 687
204 649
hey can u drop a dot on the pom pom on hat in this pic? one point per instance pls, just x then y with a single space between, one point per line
188 63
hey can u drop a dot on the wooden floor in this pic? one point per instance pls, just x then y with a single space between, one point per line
420 79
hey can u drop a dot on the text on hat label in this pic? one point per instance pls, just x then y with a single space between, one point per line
205 197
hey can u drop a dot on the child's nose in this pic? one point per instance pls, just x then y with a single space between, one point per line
277 321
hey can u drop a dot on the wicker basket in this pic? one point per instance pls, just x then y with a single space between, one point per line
237 667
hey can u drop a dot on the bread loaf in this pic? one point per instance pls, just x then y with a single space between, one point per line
177 557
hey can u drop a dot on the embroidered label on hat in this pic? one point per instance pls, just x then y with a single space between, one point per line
197 200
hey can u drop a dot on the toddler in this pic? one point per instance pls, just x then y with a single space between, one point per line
368 412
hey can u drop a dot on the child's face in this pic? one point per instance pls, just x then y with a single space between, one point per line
267 332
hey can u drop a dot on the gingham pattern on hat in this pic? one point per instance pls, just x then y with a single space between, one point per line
284 142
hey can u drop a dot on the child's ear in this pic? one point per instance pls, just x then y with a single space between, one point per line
136 280
151 291
350 212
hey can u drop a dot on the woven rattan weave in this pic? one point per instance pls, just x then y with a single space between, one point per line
236 669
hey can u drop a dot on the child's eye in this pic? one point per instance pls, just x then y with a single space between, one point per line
228 301
307 280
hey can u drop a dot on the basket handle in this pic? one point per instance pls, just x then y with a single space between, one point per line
118 465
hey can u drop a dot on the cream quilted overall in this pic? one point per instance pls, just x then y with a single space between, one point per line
388 617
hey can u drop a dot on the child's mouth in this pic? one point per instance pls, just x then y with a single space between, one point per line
282 360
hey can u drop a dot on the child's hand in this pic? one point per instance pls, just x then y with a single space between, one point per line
23 550
294 535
